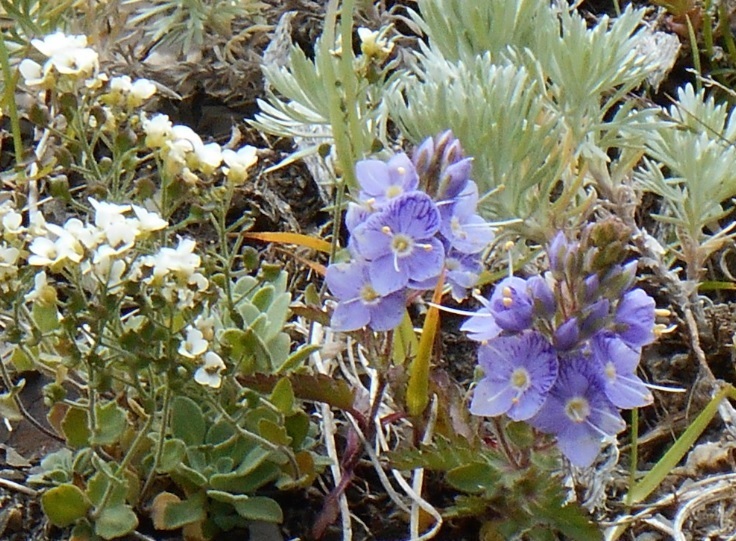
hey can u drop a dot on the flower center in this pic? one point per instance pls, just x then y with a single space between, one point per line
520 379
577 409
394 191
368 295
402 245
610 371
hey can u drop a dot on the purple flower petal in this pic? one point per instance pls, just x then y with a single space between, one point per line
635 318
425 262
617 363
385 275
382 182
482 327
350 316
511 304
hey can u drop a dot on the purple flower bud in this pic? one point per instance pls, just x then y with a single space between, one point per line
454 179
596 317
423 157
518 371
634 319
557 252
567 335
542 296
511 305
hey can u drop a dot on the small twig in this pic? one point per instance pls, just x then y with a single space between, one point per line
714 494
418 480
12 485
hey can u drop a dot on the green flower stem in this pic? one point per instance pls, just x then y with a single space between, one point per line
247 434
143 432
161 436
342 104
9 103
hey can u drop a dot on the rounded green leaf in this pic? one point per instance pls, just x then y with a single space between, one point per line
64 505
115 522
259 508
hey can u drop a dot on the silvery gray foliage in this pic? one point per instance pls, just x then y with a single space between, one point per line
530 89
692 167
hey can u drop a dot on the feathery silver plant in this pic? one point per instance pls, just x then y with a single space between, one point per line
533 93
692 166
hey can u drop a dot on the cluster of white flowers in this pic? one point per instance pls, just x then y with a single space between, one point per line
131 94
102 250
175 272
196 347
183 152
67 56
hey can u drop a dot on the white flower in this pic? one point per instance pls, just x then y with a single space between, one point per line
185 133
140 92
373 45
208 157
12 224
121 84
158 130
53 253
206 325
58 42
175 154
209 373
76 62
110 219
42 291
32 72
238 163
149 221
87 234
181 261
194 346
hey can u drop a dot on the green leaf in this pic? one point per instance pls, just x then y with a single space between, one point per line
273 432
282 396
21 361
172 455
64 505
116 521
76 427
297 358
318 388
45 316
297 426
259 508
474 477
178 514
111 422
187 421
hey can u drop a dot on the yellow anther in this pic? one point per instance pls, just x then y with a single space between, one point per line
386 229
660 329
506 292
662 312
509 245
507 302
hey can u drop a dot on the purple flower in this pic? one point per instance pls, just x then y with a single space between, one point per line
466 231
382 181
634 320
482 327
511 304
356 214
399 243
519 372
617 364
359 304
578 412
462 273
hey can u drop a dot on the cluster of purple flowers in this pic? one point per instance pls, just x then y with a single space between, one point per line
560 351
412 219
